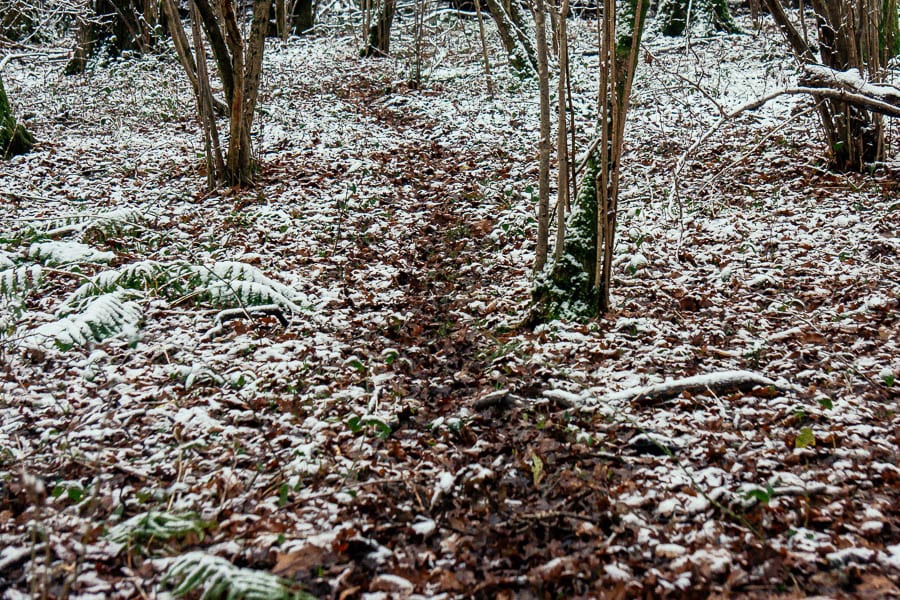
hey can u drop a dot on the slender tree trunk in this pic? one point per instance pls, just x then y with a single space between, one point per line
304 17
119 24
852 34
543 233
562 151
577 284
676 16
519 52
216 37
240 62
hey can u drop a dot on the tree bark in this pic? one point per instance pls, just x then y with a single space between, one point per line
379 40
543 233
216 37
304 17
14 138
519 51
709 15
858 35
562 153
120 24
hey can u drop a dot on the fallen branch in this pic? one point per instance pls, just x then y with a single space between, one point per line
230 314
723 381
850 81
821 83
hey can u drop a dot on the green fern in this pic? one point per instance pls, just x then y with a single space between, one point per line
58 253
229 283
102 226
224 284
16 280
219 579
161 526
101 318
145 275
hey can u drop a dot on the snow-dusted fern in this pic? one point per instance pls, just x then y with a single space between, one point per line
61 253
110 315
147 275
224 284
105 225
157 525
16 280
218 579
229 283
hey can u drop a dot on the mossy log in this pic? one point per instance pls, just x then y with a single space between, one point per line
14 138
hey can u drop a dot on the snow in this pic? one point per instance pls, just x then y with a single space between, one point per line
400 223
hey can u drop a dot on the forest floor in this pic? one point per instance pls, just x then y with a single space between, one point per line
402 435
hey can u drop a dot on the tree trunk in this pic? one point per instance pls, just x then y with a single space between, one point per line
120 24
577 284
14 138
304 17
562 151
543 233
511 27
379 42
240 63
703 16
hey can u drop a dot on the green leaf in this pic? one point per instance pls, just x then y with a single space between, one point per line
537 469
354 424
762 495
805 438
382 429
75 494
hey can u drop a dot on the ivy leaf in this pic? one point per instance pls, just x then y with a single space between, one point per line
805 438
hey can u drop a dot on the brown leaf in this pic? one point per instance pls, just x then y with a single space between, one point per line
307 557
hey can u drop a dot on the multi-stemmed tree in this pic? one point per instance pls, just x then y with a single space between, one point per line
856 40
575 282
239 64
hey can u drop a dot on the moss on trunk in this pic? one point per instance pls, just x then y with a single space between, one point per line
565 288
706 17
14 138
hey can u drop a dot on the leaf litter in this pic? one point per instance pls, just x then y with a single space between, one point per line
402 436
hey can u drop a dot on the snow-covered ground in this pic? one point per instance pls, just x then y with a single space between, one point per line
402 435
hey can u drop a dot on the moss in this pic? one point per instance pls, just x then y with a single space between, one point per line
14 138
707 16
565 288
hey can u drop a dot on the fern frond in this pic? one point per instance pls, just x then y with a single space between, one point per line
101 318
113 223
110 223
219 579
145 275
246 293
157 525
61 253
15 280
230 283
